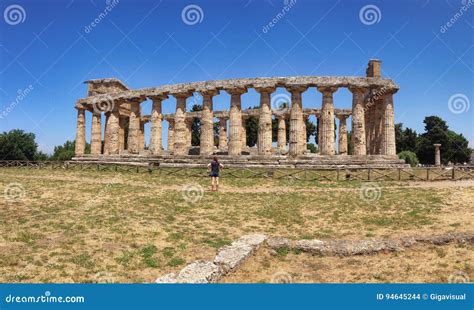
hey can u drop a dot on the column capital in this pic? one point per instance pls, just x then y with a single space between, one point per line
358 90
437 145
158 97
327 90
265 90
296 88
181 95
342 117
236 90
209 93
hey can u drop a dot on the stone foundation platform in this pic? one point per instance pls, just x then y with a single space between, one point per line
252 161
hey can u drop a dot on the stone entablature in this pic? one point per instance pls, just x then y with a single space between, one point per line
372 115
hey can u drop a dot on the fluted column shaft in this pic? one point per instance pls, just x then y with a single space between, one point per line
113 127
342 135
243 135
170 135
327 146
180 129
304 134
122 125
264 142
156 139
80 132
189 134
377 138
222 133
437 147
207 123
235 126
96 134
358 121
142 135
281 137
296 121
388 137
134 128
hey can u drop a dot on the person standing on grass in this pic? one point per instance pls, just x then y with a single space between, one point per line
214 168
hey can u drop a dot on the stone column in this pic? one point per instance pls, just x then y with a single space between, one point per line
207 123
370 136
112 132
358 121
264 144
106 136
80 132
235 120
243 134
327 121
318 124
189 134
281 137
122 123
296 120
180 129
342 134
437 154
223 133
96 134
142 136
304 135
388 137
156 139
170 135
134 128
378 124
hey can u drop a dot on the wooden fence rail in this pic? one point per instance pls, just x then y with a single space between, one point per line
319 174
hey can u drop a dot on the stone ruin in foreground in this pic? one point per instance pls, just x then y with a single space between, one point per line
373 130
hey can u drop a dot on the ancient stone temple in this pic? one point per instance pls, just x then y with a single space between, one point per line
372 123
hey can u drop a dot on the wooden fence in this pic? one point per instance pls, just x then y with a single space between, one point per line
326 174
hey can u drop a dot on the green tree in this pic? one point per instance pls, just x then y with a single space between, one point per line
454 147
17 145
67 151
409 157
196 126
405 138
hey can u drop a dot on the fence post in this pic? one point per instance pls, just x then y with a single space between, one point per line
427 174
453 175
369 174
399 174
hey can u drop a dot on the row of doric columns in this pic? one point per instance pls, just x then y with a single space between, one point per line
372 125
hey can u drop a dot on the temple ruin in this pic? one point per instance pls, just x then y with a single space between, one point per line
372 113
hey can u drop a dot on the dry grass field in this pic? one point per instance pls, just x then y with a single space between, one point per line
89 226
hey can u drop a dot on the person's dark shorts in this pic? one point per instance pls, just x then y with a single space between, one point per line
214 175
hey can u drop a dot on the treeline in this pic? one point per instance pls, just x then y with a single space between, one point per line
413 147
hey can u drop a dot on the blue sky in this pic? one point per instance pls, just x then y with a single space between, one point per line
147 43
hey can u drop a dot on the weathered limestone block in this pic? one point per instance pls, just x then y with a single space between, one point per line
358 121
243 135
96 134
197 272
235 127
279 243
141 136
312 246
170 135
264 144
232 256
122 125
80 132
327 121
